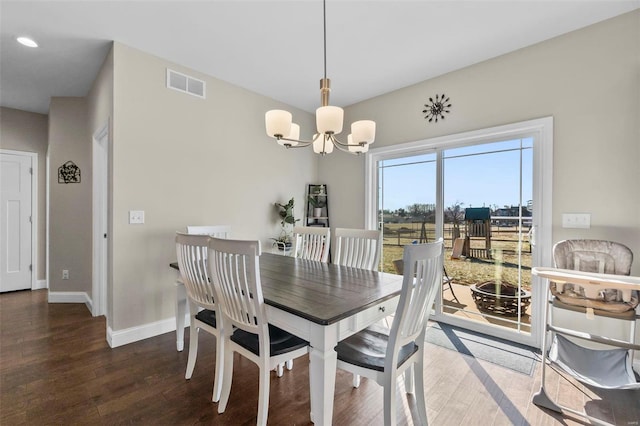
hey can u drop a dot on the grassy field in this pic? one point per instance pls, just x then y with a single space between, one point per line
504 253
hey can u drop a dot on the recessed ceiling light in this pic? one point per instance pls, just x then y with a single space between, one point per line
26 41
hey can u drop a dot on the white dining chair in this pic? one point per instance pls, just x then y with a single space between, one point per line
192 252
384 355
311 243
220 231
234 266
358 248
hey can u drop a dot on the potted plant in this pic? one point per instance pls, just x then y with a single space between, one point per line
287 220
318 204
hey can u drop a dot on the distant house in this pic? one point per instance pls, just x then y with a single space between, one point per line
512 211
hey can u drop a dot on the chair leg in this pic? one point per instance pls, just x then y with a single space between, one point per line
227 374
409 386
289 364
217 382
418 371
263 395
447 280
193 348
356 380
390 400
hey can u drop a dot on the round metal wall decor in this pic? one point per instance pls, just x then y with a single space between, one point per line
436 109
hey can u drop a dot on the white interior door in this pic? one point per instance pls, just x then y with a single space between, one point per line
100 224
15 219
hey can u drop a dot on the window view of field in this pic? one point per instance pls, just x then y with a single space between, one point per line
486 209
508 261
470 270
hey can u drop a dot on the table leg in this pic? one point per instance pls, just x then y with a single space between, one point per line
181 311
322 373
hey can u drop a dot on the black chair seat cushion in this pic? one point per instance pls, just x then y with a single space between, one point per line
368 349
207 316
281 341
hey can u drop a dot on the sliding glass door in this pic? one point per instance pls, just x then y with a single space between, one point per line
407 204
488 217
484 197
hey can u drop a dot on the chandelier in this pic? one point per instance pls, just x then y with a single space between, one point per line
329 120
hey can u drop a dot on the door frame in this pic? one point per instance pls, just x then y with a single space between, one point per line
34 211
542 129
100 154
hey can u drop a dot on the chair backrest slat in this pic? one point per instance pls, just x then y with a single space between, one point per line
358 248
422 278
311 243
218 231
192 253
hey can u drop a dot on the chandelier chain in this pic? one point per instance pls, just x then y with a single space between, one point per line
324 32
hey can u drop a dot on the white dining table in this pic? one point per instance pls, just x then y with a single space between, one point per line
322 303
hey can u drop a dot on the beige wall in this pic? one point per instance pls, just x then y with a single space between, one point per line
27 131
588 80
188 161
70 214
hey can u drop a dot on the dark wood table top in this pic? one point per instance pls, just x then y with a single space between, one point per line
323 293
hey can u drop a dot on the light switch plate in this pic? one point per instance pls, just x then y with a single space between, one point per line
576 220
136 217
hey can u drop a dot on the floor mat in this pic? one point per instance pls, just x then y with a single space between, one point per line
511 355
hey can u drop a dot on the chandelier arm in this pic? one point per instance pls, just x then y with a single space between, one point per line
299 142
342 149
339 144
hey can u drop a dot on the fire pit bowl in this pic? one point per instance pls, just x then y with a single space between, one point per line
500 299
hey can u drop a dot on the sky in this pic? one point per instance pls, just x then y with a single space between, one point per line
477 176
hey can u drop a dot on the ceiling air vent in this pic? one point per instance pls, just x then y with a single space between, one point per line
186 84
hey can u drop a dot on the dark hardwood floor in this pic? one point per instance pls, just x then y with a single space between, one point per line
56 368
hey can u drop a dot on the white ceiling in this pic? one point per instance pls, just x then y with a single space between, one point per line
275 47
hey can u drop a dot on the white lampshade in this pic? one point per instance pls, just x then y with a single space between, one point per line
278 122
356 148
322 143
363 131
294 133
329 119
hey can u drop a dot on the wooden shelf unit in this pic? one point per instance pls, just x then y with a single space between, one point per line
317 216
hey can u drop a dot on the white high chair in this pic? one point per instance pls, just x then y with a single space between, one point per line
590 316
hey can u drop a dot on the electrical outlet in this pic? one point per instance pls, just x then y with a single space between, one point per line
136 217
65 274
576 220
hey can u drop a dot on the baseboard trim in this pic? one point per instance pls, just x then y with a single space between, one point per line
68 297
40 284
141 332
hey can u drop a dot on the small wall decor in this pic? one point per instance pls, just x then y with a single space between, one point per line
436 109
69 173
